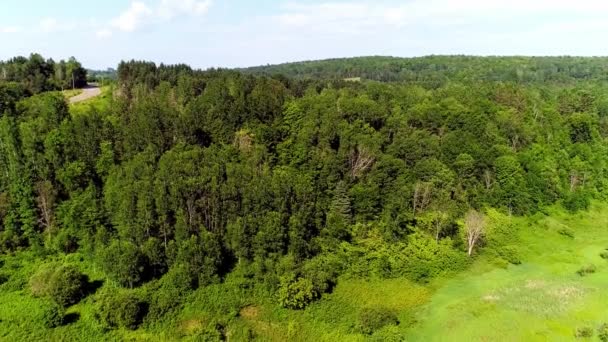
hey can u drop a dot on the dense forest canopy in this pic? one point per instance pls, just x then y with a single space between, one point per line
291 177
438 70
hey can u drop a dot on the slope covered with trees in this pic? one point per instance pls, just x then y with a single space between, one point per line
276 188
435 71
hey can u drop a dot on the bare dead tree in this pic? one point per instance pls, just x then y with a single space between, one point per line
422 196
46 203
361 159
440 221
574 180
474 223
487 178
243 140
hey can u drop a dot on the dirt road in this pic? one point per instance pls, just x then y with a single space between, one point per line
88 92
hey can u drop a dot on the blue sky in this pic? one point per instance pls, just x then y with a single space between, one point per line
229 33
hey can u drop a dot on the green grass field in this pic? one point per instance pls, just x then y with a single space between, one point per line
100 102
542 299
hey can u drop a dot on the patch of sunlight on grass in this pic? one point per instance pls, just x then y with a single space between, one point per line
542 299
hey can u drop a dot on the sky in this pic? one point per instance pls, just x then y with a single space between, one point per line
238 33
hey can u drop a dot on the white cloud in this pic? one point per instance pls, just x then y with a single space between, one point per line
141 14
49 25
103 33
359 16
10 29
133 17
169 9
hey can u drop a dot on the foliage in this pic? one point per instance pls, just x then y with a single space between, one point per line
120 311
602 332
583 332
67 285
372 319
296 293
64 284
124 263
586 270
183 183
53 315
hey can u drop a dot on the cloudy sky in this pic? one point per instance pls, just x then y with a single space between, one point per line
228 33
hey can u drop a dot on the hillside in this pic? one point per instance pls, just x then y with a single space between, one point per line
216 205
437 70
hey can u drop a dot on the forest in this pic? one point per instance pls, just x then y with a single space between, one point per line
186 204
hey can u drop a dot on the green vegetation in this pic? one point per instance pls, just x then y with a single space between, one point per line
435 71
36 75
220 204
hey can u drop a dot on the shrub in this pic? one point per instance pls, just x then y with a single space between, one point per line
124 263
577 200
510 254
323 272
66 242
120 311
583 332
174 285
296 293
602 332
423 258
372 319
604 254
585 270
566 232
67 285
53 315
40 282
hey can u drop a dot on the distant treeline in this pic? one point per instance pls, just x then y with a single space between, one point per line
110 74
437 70
35 74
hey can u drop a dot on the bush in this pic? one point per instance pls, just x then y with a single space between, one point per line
323 272
602 332
604 254
372 319
67 285
566 232
585 270
124 263
583 332
577 200
296 293
120 311
175 284
40 282
53 315
423 258
66 242
510 254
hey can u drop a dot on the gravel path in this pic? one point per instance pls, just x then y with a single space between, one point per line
87 93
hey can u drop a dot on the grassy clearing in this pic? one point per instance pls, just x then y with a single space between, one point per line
101 103
71 93
542 299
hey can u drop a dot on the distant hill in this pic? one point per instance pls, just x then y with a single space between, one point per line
436 70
